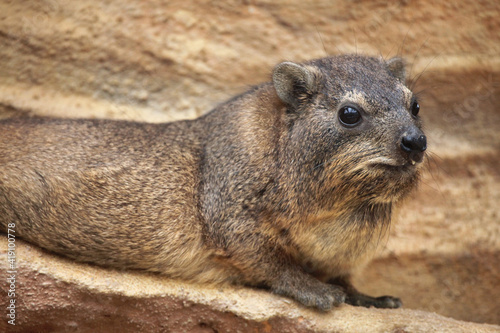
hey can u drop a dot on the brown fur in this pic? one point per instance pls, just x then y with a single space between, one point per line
268 189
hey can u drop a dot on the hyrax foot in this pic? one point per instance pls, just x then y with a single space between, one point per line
388 302
384 302
323 298
312 293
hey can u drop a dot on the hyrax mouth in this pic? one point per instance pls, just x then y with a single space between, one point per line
394 173
391 181
410 155
407 167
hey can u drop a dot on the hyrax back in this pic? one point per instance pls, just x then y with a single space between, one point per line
115 193
287 186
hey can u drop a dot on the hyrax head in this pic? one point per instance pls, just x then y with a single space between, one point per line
355 121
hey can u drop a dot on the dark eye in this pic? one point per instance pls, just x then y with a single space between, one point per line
415 108
349 116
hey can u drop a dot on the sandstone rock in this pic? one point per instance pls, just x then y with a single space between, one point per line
56 295
159 61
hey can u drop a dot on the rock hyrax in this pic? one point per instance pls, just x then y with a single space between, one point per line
287 186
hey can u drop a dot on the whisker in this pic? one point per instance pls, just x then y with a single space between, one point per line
437 189
415 60
355 40
432 157
401 48
390 51
415 80
321 39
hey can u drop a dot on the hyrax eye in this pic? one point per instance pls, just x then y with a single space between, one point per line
415 108
349 116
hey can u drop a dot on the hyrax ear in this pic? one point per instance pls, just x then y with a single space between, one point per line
294 82
397 67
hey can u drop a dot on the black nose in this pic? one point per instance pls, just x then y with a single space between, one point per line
414 143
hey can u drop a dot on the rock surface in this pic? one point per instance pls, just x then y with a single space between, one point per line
159 61
57 295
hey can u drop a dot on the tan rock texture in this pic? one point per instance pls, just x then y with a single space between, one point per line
57 295
165 60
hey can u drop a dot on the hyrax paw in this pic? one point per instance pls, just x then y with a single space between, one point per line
383 302
388 302
323 297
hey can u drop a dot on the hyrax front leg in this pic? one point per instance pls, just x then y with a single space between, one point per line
295 283
356 298
263 265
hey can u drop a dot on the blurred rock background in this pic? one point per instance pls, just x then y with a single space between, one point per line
165 60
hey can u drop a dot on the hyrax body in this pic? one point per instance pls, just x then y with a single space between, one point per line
287 186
